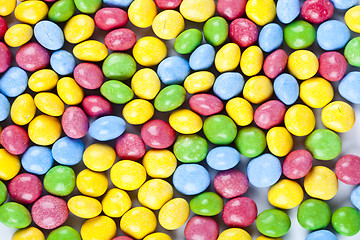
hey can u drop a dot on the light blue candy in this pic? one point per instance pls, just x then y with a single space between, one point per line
49 35
107 128
202 57
228 85
37 160
355 197
68 151
223 158
191 179
264 170
62 62
344 4
4 107
287 10
321 235
13 82
333 35
173 70
118 3
271 37
286 88
349 87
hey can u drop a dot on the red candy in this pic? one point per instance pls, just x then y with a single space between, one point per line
317 11
130 147
122 238
75 122
231 9
206 104
3 27
49 212
120 39
275 63
297 164
96 106
88 75
332 66
110 18
270 114
231 183
201 228
5 59
243 32
158 134
32 57
239 212
168 4
347 169
25 188
14 139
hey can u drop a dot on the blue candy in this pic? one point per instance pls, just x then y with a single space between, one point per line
349 87
68 151
344 4
37 160
4 107
271 37
62 62
264 170
228 85
49 35
107 128
13 82
333 35
223 158
118 3
355 197
287 10
321 235
202 57
286 88
173 70
191 179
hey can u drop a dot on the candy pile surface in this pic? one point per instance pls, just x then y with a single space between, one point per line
159 120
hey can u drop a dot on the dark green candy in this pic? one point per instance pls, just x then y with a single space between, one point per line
207 204
314 214
299 34
190 148
250 141
116 92
346 221
273 223
220 129
216 31
323 144
170 98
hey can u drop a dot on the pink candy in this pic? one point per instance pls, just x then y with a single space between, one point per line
168 4
32 57
25 188
120 39
122 238
275 63
206 104
110 18
130 147
243 32
231 183
5 59
201 228
332 66
297 164
75 122
317 11
158 134
14 139
348 169
239 212
231 9
96 106
270 114
88 75
3 27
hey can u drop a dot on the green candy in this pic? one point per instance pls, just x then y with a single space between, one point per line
190 148
216 31
14 215
220 129
187 41
3 192
207 204
299 34
170 98
88 6
64 233
116 92
119 66
250 141
346 221
314 214
60 180
62 10
352 52
273 223
323 144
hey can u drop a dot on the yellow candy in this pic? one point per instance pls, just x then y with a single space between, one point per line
267 238
43 80
199 82
146 83
168 24
158 236
338 116
93 184
31 12
240 111
142 13
99 157
138 222
234 234
185 121
159 163
251 61
321 183
84 207
44 130
30 233
261 11
23 109
316 92
155 193
49 103
197 10
352 19
91 50
285 194
149 51
18 35
9 165
98 228
299 120
7 7
128 175
138 111
174 214
279 141
116 202
79 28
258 89
228 57
69 91
303 64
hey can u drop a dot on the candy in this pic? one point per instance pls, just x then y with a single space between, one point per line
93 184
138 111
28 233
25 188
231 9
299 34
130 146
185 121
273 223
5 61
146 84
323 144
96 106
168 24
158 134
240 110
32 57
275 63
220 129
118 3
18 35
258 89
157 236
14 215
60 180
269 114
49 104
216 31
88 75
159 163
346 221
7 7
116 92
205 104
239 212
243 32
270 37
116 202
202 58
99 157
297 164
149 51
14 139
68 151
44 29
197 10
43 80
155 193
332 66
61 10
279 141
190 148
251 61
201 228
62 62
170 98
31 12
138 222
317 11
321 234
285 194
351 52
167 4
174 214
346 169
120 39
173 70
142 13
119 66
87 6
231 183
299 120
64 232
303 64
110 18
234 233
107 128
332 35
84 207
75 123
3 193
338 116
348 87
355 196
199 82
316 92
250 141
44 130
352 18
287 10
99 227
228 57
128 175
90 50
261 12
11 88
314 214
10 165
37 160
207 204
223 158
321 183
79 28
191 179
228 85
5 108
187 41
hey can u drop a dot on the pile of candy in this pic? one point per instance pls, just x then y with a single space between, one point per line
237 95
